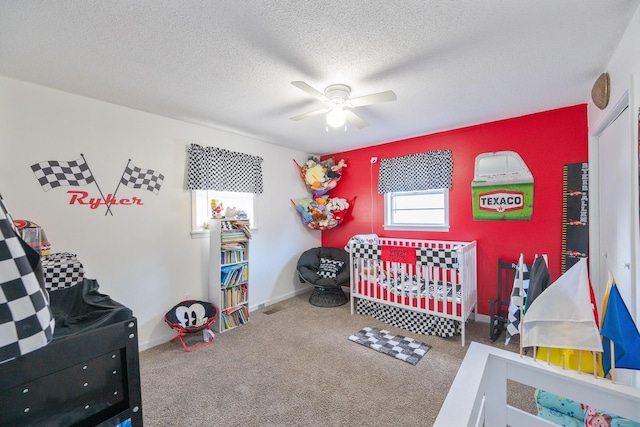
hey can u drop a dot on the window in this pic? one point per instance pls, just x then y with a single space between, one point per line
417 210
201 207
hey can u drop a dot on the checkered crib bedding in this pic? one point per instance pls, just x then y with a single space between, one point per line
415 287
420 323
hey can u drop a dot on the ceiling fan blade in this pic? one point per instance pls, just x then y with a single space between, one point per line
311 91
354 119
374 98
311 114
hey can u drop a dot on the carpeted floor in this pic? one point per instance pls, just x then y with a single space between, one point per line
293 365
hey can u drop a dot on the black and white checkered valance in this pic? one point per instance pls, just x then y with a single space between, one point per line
416 172
212 168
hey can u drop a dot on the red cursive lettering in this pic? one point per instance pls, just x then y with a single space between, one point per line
80 198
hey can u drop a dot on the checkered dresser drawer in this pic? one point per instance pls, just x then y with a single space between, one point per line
61 270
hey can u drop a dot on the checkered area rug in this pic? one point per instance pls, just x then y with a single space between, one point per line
403 348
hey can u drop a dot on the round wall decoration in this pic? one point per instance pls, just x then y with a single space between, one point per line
601 91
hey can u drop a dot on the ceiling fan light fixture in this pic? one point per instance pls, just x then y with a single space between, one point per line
336 117
339 104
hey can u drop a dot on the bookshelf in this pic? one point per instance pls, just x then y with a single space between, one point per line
229 276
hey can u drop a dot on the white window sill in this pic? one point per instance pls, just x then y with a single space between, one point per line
204 234
412 227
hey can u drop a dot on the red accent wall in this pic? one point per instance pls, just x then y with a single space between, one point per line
546 142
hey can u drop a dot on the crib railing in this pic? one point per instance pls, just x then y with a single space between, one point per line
478 395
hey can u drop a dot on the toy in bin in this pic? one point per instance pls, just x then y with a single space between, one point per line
33 235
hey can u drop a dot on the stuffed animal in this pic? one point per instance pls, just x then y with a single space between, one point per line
334 170
314 176
306 216
231 213
318 216
341 164
305 203
326 186
337 204
321 201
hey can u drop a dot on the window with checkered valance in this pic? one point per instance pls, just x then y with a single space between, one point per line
212 168
416 172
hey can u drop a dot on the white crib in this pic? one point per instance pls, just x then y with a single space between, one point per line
437 280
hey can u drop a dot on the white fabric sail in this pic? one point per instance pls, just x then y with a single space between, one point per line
562 316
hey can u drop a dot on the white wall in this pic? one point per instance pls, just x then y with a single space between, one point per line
142 256
623 69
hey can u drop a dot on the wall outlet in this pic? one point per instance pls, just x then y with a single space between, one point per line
374 159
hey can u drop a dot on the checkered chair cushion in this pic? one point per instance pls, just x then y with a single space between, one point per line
329 267
26 322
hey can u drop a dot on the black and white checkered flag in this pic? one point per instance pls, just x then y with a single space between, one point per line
52 173
518 295
147 179
26 320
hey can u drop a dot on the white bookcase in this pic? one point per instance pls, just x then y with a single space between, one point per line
229 275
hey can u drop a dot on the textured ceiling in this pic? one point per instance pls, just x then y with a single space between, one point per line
229 64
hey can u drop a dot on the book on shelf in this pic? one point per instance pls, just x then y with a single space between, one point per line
232 253
239 227
234 296
235 317
234 274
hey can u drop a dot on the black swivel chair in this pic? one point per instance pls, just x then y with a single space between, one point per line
327 269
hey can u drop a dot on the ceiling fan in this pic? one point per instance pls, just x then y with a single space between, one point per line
339 104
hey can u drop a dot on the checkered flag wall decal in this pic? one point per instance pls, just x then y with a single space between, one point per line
146 179
53 173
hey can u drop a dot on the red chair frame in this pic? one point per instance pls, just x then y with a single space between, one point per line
182 331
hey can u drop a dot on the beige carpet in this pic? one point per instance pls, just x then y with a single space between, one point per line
293 365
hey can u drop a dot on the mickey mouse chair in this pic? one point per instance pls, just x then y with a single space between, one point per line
190 316
327 269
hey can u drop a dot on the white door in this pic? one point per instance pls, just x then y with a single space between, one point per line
614 188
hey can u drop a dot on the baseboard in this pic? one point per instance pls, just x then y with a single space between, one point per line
146 345
279 298
483 318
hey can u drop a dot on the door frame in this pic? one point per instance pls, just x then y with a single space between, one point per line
630 99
